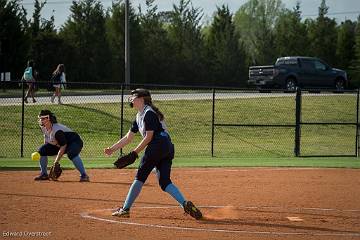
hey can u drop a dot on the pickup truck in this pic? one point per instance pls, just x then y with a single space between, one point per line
292 72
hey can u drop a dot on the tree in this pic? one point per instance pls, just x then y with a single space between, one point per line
46 46
14 44
48 51
226 61
323 36
345 44
156 46
290 33
184 33
254 22
35 24
355 69
115 31
84 31
115 34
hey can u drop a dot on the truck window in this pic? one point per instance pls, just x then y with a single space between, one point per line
287 62
291 62
320 66
279 62
307 65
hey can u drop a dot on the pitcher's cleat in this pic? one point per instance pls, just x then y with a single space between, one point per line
41 178
193 211
84 178
120 212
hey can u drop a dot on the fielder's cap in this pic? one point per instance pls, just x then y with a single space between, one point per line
140 92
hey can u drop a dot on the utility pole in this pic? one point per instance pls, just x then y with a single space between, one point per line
127 44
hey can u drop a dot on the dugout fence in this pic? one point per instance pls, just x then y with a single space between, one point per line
203 121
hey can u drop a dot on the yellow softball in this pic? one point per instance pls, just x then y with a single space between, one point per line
35 156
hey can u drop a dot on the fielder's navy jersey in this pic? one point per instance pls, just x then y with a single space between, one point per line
59 135
147 120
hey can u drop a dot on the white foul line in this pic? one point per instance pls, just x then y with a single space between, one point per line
87 215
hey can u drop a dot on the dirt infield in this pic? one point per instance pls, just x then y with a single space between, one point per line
238 203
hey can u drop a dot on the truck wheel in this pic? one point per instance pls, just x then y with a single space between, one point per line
290 84
339 85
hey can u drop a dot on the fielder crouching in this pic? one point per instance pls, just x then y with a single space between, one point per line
59 140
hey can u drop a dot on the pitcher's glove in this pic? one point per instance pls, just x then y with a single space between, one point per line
126 160
55 171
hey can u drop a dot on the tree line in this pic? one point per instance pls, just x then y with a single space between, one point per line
175 46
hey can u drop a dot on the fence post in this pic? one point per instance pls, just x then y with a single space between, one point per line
213 123
357 126
22 120
122 114
298 122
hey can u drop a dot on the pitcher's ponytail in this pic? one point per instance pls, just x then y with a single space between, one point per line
144 93
148 101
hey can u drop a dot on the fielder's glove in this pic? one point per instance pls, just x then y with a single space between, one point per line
55 171
126 160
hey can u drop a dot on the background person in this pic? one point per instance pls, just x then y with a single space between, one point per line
58 140
57 79
159 153
30 75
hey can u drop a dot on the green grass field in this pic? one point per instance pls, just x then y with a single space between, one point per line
189 122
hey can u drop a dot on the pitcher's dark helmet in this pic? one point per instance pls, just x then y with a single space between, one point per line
140 92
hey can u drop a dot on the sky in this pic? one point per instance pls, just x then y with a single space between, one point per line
339 9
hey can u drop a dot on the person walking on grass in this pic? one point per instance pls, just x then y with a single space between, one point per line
58 79
159 153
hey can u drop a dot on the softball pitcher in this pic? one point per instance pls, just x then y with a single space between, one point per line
158 154
58 140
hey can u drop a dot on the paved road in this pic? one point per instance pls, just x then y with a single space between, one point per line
160 97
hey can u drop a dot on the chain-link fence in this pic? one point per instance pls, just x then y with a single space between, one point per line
329 124
100 114
202 121
251 123
302 123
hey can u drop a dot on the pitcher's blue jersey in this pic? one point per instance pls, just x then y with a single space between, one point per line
147 120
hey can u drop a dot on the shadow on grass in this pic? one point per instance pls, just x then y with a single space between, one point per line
263 149
94 111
